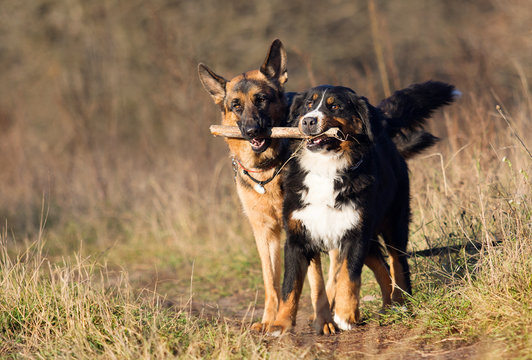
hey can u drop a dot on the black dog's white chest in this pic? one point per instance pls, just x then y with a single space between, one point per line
326 222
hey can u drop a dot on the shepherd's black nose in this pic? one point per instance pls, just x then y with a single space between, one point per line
252 131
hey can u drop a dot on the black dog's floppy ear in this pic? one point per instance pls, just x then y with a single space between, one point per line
274 67
296 109
365 113
213 83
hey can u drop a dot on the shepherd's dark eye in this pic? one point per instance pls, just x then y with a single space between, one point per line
308 104
236 105
259 99
335 107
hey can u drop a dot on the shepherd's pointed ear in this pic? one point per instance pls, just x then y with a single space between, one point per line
274 66
213 83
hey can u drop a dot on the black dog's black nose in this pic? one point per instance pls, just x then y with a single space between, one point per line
309 125
309 122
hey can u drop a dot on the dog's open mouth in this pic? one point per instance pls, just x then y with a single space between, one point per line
259 144
319 142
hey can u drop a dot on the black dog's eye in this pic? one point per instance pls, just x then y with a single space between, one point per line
335 107
308 104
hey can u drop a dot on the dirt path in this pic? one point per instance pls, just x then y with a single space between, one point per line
367 341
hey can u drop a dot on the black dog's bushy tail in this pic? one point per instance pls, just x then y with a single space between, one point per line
407 111
411 143
409 108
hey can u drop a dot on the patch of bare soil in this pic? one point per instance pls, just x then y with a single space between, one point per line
367 341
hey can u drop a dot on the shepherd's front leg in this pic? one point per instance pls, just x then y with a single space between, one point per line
322 319
269 246
334 266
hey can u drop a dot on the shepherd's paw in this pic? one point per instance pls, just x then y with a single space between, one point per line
258 327
278 328
324 324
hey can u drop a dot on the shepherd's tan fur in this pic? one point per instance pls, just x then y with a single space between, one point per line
262 210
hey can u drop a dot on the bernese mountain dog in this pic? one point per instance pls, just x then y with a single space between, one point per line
344 192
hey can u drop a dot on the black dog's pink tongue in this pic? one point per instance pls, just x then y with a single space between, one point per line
317 140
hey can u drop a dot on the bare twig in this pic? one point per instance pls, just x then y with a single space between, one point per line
274 132
378 47
499 109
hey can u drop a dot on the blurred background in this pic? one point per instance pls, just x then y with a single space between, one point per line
113 191
104 124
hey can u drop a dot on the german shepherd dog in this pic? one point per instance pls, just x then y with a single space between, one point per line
255 101
343 193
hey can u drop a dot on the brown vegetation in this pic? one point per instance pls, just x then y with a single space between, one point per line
103 119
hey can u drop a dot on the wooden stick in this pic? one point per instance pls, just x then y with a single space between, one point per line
275 132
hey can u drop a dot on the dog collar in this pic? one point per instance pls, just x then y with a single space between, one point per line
259 185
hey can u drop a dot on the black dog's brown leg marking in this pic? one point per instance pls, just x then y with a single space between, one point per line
346 309
400 275
395 235
377 264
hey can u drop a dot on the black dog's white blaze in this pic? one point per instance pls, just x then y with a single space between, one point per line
325 221
316 112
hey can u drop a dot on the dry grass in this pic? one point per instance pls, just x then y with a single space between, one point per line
80 309
103 119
